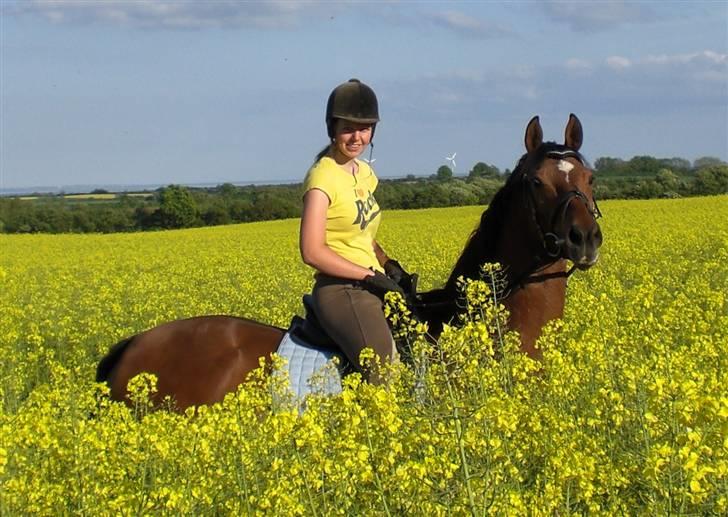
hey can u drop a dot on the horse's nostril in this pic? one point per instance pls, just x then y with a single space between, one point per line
575 236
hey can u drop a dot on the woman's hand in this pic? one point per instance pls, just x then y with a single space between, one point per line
380 284
408 282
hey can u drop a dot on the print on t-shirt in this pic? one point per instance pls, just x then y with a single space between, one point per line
363 209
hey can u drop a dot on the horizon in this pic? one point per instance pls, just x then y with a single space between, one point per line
145 187
120 188
155 93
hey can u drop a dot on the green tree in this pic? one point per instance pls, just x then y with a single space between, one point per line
216 214
707 161
607 165
483 170
643 166
677 164
646 189
669 181
227 189
444 173
177 208
712 180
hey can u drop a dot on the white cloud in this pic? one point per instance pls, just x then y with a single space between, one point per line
269 14
170 14
460 20
590 16
707 56
578 64
644 84
466 25
618 62
706 65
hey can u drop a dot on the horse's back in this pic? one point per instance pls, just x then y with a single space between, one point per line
196 360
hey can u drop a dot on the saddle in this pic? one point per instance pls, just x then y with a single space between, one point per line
309 329
309 353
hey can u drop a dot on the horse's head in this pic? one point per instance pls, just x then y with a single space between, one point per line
558 190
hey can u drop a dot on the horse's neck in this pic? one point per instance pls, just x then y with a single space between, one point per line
531 304
534 297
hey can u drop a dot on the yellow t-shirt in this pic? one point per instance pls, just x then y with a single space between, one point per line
353 216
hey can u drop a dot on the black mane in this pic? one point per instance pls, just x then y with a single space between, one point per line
482 243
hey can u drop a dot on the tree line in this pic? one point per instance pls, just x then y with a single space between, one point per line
176 206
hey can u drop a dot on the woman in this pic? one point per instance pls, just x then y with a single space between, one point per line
338 230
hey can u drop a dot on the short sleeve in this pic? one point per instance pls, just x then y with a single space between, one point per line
318 178
373 180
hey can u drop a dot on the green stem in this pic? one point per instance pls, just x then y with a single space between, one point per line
461 446
376 475
305 479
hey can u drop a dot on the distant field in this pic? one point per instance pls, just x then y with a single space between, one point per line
139 194
88 197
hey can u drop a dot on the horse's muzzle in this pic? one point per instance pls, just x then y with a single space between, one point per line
582 244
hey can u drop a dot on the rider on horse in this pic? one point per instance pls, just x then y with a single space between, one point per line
338 231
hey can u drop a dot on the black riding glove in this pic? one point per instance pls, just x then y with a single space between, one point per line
408 282
380 285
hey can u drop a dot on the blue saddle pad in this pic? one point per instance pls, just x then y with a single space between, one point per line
310 368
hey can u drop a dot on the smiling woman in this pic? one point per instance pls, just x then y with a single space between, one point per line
339 226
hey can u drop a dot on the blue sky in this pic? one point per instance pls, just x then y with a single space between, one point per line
142 92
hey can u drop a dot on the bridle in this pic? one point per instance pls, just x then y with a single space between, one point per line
551 243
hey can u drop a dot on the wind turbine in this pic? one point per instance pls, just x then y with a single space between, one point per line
451 159
370 161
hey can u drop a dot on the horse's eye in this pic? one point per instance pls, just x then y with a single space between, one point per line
536 181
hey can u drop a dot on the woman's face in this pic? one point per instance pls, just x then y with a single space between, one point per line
351 138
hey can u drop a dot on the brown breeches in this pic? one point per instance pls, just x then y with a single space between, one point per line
354 319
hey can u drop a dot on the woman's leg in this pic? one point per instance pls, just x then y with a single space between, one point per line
354 319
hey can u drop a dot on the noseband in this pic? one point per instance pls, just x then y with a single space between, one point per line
550 241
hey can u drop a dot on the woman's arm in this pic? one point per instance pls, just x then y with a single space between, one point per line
312 243
382 257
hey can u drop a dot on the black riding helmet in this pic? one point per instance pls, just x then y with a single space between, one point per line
354 101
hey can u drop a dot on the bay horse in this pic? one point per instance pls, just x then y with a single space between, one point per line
544 215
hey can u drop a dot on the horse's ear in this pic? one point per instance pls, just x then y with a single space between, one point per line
574 134
534 134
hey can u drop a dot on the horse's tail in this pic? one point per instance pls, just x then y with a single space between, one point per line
109 361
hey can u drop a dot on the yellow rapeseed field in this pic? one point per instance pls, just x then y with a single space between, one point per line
627 413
